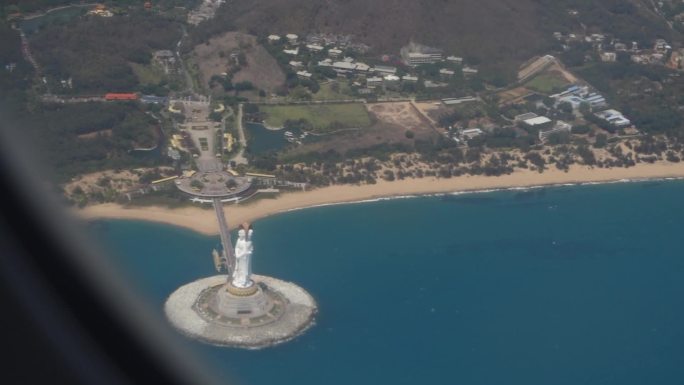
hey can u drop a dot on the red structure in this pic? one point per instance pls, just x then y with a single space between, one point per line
113 96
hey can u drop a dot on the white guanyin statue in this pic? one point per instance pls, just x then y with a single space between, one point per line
243 258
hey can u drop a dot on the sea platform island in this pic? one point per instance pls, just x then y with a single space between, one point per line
206 310
237 309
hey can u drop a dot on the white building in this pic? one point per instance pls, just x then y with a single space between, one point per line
525 116
362 67
538 121
373 82
416 54
325 63
661 46
315 47
292 38
293 52
334 52
343 66
101 11
446 72
409 79
273 39
614 117
608 57
471 133
455 59
305 75
560 126
391 79
454 101
386 70
469 71
417 58
431 84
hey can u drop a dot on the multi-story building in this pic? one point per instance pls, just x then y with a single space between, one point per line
416 54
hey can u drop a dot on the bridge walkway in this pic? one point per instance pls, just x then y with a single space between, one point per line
224 231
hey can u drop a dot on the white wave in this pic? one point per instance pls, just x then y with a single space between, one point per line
484 191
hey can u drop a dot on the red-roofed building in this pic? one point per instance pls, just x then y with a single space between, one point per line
114 96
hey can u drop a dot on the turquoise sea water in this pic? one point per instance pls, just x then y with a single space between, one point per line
567 285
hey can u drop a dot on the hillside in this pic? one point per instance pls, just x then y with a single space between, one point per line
96 52
489 32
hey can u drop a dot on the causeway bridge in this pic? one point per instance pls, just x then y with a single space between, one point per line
224 232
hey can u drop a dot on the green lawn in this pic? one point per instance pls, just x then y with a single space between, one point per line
326 92
147 74
547 83
323 117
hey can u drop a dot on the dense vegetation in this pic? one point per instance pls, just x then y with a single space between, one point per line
12 83
649 95
628 20
27 6
109 54
10 45
497 35
490 32
96 52
33 5
73 139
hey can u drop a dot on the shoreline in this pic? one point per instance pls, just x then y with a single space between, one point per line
203 220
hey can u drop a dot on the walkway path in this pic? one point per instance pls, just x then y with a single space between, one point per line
41 14
239 158
190 84
224 231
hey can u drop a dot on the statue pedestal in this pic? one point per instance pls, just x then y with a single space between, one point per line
251 305
242 291
210 311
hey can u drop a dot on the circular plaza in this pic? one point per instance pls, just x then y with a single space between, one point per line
214 184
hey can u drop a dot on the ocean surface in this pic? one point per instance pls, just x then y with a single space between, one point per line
554 286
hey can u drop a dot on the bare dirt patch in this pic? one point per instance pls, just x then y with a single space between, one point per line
432 110
214 59
380 133
401 114
392 121
117 180
262 70
513 95
569 76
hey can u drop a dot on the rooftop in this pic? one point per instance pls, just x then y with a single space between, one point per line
526 116
344 65
537 121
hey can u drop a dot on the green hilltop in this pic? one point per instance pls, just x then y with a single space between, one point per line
495 33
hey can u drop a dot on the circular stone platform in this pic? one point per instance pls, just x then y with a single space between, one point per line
214 184
285 311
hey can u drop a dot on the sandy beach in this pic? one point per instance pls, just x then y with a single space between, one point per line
203 220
